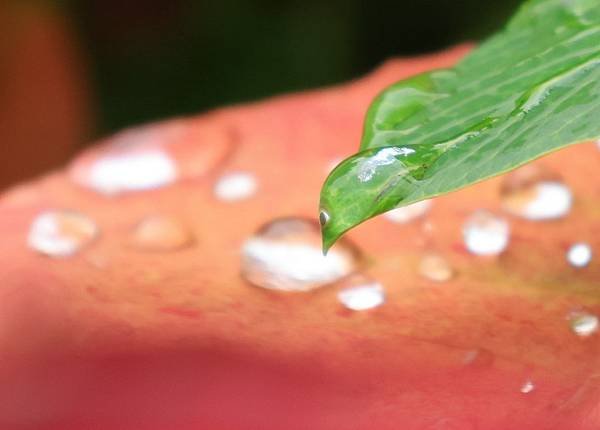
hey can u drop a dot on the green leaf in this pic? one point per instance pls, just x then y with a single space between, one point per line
528 91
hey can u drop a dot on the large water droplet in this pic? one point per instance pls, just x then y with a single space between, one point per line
485 233
408 213
149 157
235 186
361 294
286 255
583 324
579 254
527 387
435 268
535 194
161 233
61 233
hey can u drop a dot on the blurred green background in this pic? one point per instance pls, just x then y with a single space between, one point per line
150 59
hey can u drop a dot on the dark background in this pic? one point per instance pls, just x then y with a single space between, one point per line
156 58
72 71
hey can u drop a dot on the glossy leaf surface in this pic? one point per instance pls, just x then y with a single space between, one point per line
528 91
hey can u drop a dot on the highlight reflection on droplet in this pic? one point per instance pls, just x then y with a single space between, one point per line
59 233
361 293
485 233
579 255
535 194
286 255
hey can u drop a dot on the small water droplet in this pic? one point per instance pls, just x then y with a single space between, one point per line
323 217
408 213
579 254
235 186
485 233
535 194
161 233
151 156
286 255
435 268
361 294
382 157
583 324
527 387
61 233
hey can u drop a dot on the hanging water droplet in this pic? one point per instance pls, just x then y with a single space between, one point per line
535 194
161 233
485 233
323 217
579 254
286 255
583 324
435 268
408 213
527 387
361 294
235 186
61 233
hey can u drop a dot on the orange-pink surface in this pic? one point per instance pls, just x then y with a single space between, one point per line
117 338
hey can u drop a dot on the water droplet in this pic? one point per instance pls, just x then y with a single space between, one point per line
583 324
408 213
286 255
150 157
535 194
161 233
435 268
235 186
579 254
323 217
485 233
128 171
363 294
61 233
382 157
527 387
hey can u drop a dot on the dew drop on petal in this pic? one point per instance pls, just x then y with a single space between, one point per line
527 387
435 268
583 324
161 233
61 233
235 186
150 156
361 293
579 254
286 255
408 213
536 194
485 233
